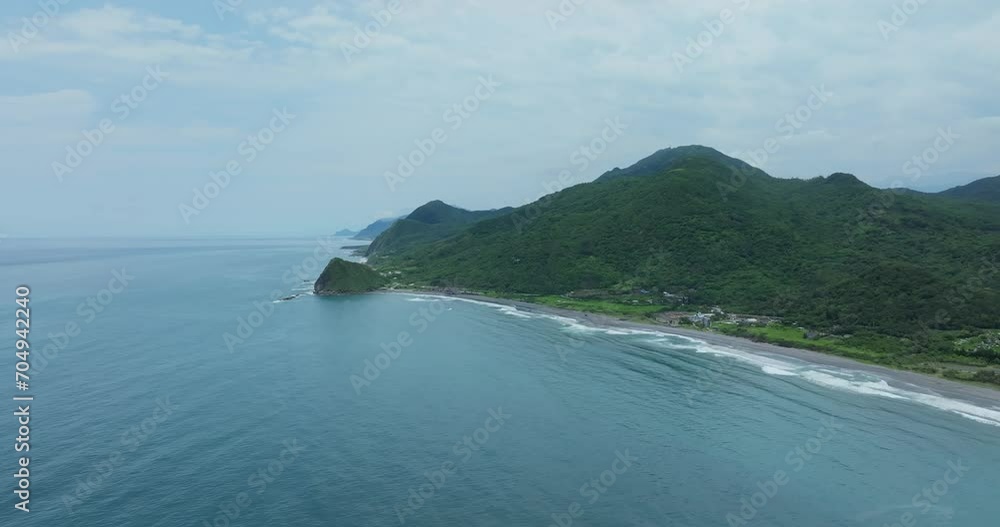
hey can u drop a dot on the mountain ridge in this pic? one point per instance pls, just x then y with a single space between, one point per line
662 224
985 189
375 228
433 221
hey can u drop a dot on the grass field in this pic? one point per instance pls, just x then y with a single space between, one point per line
604 307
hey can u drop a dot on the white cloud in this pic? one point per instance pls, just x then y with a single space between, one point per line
63 105
109 22
606 59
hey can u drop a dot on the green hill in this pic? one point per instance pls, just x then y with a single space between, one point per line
431 222
669 158
830 253
987 190
342 277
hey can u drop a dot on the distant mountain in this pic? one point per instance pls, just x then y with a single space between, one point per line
986 189
345 233
378 227
669 158
832 251
429 223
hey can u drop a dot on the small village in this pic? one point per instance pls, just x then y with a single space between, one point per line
676 316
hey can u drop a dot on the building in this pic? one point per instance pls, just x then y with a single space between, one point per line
702 319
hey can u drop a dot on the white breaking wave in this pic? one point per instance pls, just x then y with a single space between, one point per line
861 383
779 371
843 380
428 299
507 310
557 318
512 311
871 385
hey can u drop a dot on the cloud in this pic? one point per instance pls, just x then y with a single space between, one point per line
602 60
110 22
63 105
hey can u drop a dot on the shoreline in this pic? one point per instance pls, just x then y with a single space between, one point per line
902 379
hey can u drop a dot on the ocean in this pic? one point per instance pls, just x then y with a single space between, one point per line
198 382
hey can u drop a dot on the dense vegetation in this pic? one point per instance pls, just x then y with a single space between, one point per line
987 189
828 253
669 158
342 277
431 222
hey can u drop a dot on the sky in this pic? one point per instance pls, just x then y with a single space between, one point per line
213 117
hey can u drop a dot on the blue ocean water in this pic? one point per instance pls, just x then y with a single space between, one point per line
174 387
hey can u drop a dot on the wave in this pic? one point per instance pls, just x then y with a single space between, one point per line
868 384
857 382
294 296
507 310
862 383
428 299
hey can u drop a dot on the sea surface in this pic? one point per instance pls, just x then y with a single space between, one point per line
197 382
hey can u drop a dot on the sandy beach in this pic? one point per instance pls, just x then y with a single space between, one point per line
911 381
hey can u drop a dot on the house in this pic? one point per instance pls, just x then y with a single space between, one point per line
702 319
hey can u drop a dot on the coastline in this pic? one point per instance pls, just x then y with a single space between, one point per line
980 396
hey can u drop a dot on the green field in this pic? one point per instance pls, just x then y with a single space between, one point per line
605 307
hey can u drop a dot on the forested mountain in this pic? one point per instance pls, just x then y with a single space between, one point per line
431 222
667 158
830 252
987 189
